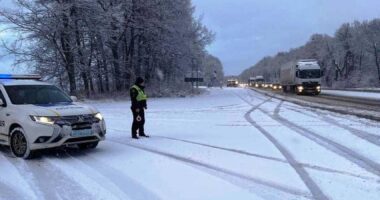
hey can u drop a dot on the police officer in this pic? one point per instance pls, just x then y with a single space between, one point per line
139 105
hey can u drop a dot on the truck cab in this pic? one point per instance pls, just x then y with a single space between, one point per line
260 81
252 82
36 115
308 77
232 83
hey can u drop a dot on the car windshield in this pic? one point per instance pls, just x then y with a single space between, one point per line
36 94
310 73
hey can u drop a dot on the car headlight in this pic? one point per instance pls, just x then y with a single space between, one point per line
43 120
300 88
99 116
318 87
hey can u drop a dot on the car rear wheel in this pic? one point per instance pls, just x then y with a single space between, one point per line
91 145
19 144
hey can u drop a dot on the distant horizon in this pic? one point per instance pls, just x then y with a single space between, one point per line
249 30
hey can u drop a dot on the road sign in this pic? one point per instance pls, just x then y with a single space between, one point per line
192 80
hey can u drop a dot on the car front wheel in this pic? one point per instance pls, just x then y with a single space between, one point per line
19 144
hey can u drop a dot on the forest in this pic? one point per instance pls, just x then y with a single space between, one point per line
99 47
350 58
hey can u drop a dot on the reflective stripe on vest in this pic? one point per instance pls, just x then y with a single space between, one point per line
141 96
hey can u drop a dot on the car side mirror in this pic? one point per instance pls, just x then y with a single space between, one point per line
2 103
74 98
297 73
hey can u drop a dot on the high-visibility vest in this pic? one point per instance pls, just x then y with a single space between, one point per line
141 96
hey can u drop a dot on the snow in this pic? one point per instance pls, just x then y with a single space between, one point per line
204 147
354 94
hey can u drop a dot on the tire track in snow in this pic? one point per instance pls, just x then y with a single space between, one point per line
46 181
369 137
360 160
124 183
9 193
316 192
76 184
29 171
336 114
54 182
13 180
249 92
306 165
246 153
196 163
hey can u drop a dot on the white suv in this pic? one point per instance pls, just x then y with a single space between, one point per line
36 115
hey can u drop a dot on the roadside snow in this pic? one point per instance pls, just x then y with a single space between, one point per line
354 94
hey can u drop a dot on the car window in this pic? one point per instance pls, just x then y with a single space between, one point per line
36 94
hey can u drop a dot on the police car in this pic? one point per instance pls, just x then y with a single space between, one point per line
36 115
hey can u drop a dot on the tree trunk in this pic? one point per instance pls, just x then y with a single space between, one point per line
99 76
116 65
68 54
86 84
376 54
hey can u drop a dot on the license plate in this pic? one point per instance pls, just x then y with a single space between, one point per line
81 133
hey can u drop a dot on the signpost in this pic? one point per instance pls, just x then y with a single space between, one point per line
192 81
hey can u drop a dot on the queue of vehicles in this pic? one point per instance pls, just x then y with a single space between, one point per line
300 77
265 85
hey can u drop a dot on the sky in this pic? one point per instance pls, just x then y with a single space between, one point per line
6 61
248 30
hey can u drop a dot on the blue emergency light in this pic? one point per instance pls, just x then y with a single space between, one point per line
21 76
5 76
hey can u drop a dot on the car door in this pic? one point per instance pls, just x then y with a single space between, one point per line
3 132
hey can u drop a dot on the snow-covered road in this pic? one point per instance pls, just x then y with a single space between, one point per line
226 144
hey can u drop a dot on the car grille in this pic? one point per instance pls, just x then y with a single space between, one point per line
79 122
309 84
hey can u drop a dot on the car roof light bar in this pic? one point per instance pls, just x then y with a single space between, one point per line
21 76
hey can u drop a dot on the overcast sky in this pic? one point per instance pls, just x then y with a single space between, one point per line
248 30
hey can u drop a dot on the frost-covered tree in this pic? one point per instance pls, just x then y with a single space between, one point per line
351 58
99 46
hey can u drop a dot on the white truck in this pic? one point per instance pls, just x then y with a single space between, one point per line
259 81
301 77
36 115
252 81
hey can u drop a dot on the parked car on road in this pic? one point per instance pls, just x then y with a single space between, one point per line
36 115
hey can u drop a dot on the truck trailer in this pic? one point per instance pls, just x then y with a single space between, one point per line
301 77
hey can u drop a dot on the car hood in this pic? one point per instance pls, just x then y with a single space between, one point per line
66 109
